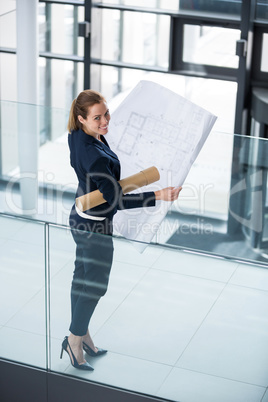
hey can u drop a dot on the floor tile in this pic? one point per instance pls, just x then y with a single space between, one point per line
265 397
12 297
32 316
195 265
58 259
159 317
22 258
125 251
2 241
22 276
251 276
23 347
189 386
233 340
124 372
122 280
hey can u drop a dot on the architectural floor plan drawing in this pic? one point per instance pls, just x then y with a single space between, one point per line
145 136
154 126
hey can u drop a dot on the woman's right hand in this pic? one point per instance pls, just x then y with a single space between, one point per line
168 194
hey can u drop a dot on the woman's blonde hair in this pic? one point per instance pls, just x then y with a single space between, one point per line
80 106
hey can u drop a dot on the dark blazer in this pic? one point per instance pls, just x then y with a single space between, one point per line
98 167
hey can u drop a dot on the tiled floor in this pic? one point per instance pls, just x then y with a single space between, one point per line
181 326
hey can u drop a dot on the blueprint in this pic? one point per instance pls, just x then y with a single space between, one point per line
154 126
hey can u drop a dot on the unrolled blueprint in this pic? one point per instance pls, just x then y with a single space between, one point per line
154 126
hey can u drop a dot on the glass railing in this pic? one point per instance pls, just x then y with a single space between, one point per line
23 291
176 324
222 210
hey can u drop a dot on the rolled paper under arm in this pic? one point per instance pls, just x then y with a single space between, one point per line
143 178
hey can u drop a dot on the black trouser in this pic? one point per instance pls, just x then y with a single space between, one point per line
94 256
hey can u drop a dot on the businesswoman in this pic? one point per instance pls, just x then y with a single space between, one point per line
96 167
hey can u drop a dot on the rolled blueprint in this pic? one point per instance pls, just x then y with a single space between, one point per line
143 178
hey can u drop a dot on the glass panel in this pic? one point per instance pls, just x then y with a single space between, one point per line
209 6
53 123
213 6
7 6
164 4
209 204
60 24
264 53
237 194
42 27
9 138
8 25
50 163
8 76
111 36
262 9
66 81
210 45
55 75
205 191
164 294
23 313
149 45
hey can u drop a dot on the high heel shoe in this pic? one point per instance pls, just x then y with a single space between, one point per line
91 352
74 362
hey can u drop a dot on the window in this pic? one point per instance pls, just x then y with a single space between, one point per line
264 53
210 45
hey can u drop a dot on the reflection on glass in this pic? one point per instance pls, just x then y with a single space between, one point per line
210 45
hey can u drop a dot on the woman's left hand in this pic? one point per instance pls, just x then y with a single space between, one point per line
168 194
